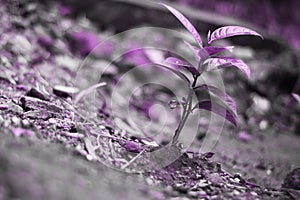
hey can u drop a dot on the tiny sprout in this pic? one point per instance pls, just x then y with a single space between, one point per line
207 60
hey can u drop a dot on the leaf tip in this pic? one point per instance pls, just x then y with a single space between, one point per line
208 37
249 75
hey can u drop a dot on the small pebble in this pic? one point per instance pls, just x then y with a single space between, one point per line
132 147
5 61
152 143
236 193
202 184
180 188
208 155
52 121
25 122
78 147
149 181
89 157
74 135
65 91
102 127
4 106
202 194
22 60
193 193
261 105
22 44
253 193
33 92
263 125
15 120
21 87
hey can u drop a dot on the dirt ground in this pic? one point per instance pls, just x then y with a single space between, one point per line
42 155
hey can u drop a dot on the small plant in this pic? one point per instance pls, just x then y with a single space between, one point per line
207 60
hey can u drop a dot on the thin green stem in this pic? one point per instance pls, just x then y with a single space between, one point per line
178 129
195 81
186 112
187 109
183 121
200 66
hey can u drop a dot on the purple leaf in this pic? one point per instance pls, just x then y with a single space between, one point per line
182 64
222 95
214 50
228 31
296 96
208 36
178 73
218 109
222 62
186 23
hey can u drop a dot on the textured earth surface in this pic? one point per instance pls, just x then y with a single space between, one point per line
49 150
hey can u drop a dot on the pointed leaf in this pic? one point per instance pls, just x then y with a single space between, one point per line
182 64
178 73
208 36
222 62
217 109
186 23
220 94
228 31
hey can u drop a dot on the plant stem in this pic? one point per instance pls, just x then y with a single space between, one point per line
178 129
195 81
186 112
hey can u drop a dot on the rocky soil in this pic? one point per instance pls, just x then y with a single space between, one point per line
49 149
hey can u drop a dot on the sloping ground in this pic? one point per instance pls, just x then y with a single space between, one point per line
44 155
